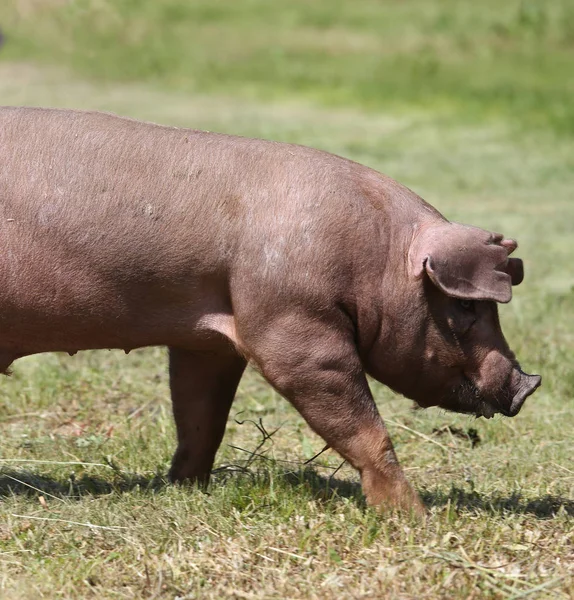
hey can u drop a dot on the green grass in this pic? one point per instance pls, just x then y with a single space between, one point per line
489 59
86 440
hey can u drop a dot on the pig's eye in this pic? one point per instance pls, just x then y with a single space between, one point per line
466 304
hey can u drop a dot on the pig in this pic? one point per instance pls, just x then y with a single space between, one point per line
319 271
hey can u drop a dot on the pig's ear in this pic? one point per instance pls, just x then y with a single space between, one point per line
466 262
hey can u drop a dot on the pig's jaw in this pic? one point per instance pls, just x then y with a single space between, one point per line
466 398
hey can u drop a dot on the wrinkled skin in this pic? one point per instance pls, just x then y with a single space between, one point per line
317 270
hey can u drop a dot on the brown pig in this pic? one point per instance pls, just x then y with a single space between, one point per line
121 234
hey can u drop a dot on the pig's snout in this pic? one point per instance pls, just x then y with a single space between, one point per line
522 385
508 398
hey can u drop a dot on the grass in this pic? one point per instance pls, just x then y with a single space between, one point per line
85 510
474 59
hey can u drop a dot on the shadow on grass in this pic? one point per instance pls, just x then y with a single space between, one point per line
24 483
323 488
306 481
543 507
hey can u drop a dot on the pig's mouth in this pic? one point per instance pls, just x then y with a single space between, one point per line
508 400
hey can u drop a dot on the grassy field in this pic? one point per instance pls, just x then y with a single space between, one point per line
470 104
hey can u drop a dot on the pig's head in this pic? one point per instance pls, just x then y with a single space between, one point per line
450 350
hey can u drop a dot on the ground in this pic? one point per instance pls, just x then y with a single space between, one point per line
85 509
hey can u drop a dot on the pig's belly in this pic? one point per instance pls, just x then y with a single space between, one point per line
52 300
40 323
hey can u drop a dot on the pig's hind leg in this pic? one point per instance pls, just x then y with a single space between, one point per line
203 383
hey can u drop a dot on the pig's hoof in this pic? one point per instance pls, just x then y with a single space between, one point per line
400 497
406 506
412 503
419 509
415 509
183 473
200 481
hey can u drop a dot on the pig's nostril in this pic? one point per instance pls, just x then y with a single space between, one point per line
528 385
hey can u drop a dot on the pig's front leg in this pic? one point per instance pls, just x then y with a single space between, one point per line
315 366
